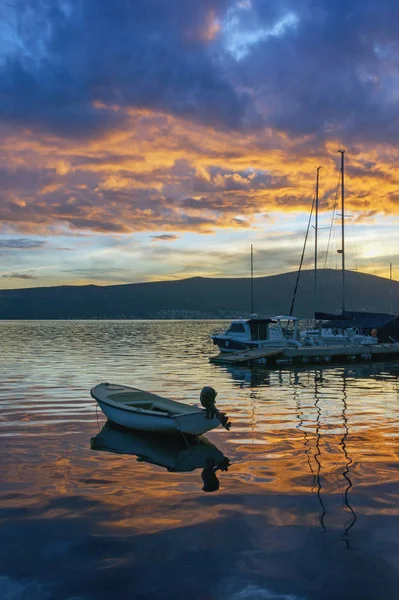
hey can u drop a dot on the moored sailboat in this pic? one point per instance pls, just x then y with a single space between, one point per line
348 337
349 327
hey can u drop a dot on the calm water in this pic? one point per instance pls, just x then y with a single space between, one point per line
308 508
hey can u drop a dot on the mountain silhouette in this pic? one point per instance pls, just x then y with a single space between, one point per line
201 297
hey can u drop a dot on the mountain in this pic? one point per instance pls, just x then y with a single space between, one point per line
200 297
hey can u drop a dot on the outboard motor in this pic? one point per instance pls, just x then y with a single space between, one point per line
208 399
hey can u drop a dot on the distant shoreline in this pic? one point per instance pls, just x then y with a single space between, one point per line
200 298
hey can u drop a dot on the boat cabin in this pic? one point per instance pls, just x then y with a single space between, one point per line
249 329
262 330
284 327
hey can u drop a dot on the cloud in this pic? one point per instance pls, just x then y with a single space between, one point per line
217 178
332 71
19 276
281 253
254 592
21 243
195 116
72 64
165 237
187 178
20 590
325 69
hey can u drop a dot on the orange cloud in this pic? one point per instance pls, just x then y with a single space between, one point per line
166 173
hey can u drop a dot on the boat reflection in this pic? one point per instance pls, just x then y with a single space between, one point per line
174 453
262 377
246 377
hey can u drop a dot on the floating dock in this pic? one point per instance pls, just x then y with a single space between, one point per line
235 358
302 355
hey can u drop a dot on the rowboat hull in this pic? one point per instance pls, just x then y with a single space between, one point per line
135 420
194 424
181 418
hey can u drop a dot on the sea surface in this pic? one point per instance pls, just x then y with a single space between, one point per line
299 500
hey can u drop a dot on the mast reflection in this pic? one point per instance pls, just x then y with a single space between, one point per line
316 456
316 473
318 378
174 453
353 518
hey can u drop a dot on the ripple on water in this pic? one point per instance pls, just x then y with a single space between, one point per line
314 472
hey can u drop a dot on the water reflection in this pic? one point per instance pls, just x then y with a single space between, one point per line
261 376
316 473
352 519
315 454
322 437
317 478
246 377
174 453
321 403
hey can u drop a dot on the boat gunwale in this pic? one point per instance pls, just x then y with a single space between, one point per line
144 411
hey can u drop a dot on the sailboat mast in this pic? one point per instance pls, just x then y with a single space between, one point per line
390 286
252 280
315 239
343 226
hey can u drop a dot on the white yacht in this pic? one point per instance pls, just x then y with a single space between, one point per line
331 336
253 333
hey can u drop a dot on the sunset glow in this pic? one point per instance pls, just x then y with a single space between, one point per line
144 142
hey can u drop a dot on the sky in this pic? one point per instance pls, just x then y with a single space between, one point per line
145 140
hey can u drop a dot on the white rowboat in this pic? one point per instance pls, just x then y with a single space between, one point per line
144 411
